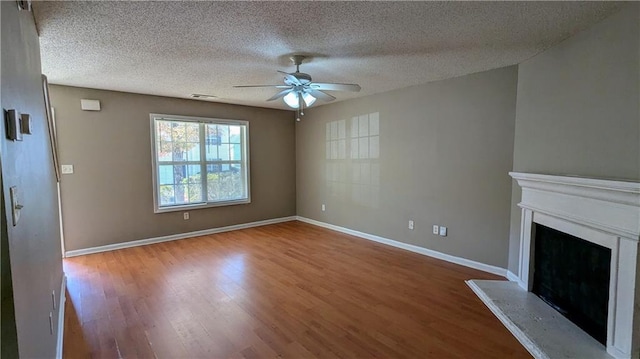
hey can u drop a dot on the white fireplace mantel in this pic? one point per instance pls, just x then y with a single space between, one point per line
600 211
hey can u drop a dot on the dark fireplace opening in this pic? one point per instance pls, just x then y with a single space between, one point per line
572 276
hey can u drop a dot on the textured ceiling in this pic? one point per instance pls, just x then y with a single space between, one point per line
179 48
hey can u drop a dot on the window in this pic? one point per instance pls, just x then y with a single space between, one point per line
199 162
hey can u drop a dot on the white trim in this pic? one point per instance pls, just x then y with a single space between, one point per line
201 121
608 206
60 220
526 342
173 237
61 304
512 276
599 211
410 247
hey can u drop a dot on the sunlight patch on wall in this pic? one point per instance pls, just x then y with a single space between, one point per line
352 159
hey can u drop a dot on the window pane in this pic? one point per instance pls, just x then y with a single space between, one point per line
178 131
223 152
213 135
193 151
164 130
234 134
195 193
193 132
165 175
167 196
193 174
185 139
164 151
212 140
212 152
188 193
236 152
224 182
213 178
224 133
212 168
179 174
181 193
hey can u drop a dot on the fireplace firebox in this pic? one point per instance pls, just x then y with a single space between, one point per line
572 276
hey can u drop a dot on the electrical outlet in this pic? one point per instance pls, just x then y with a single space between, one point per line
411 225
323 207
185 215
436 229
443 231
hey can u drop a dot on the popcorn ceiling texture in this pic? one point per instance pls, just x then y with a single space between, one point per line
179 48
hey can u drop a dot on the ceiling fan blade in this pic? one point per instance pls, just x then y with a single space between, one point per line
335 87
321 95
275 86
292 79
280 94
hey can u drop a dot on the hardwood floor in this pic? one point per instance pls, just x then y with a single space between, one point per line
287 290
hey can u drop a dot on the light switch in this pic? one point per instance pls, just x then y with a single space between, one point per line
67 169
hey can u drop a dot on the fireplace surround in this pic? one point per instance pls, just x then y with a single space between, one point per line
603 212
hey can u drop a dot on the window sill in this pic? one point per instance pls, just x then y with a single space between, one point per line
188 207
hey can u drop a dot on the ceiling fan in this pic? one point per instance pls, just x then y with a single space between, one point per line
299 92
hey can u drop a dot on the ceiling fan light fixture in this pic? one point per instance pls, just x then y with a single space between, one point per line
291 99
299 92
308 99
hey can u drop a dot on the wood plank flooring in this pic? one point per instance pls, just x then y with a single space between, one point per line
289 290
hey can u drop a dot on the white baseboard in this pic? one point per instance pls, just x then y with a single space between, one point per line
173 237
514 278
61 304
410 247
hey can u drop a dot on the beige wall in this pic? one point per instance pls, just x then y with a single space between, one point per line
34 244
109 198
444 152
577 108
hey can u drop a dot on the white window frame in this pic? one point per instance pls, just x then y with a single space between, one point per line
203 162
